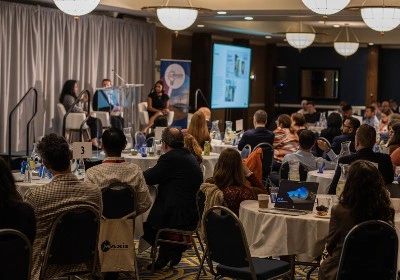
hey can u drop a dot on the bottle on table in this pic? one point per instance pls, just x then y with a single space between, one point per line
207 148
81 168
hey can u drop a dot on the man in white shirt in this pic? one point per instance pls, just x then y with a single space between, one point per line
307 140
371 119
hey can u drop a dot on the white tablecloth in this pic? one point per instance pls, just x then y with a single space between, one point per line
276 235
146 162
219 146
324 179
23 187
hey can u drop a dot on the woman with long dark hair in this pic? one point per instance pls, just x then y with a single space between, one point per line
157 103
198 128
14 214
334 123
394 136
230 176
68 96
364 198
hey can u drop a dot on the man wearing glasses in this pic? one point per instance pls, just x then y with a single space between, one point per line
349 128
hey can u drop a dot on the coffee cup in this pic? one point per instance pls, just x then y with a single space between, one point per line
263 200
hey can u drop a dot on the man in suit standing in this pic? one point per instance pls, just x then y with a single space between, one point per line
259 134
179 177
364 143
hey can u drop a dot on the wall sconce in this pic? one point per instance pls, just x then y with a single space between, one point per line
253 77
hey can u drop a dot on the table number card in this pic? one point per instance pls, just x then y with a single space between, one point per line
239 125
82 150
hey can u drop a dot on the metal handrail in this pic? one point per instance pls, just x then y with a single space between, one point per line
31 89
78 99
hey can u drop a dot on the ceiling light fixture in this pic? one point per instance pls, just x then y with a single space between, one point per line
176 18
78 7
380 18
346 47
326 7
301 39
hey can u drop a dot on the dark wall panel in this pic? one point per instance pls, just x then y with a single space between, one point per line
389 78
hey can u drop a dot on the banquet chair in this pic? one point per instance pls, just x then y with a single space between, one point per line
369 252
224 230
73 240
267 159
245 151
144 115
140 139
120 202
72 123
15 255
284 171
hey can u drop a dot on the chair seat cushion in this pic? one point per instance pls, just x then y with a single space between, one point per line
264 268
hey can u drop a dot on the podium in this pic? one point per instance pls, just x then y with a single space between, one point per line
126 96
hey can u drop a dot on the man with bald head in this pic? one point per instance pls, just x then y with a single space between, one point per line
178 176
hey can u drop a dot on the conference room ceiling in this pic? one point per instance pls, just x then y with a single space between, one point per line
270 18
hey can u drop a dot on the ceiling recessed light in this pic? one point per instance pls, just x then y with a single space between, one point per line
221 12
336 25
200 25
248 18
268 37
371 44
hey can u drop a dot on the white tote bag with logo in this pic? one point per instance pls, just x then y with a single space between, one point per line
116 245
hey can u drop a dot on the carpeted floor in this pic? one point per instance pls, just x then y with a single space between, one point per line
187 269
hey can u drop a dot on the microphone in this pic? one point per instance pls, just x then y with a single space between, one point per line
118 76
195 100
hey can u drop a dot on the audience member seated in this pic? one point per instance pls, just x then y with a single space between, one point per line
207 115
377 106
64 192
286 139
259 134
383 124
347 111
364 143
179 177
303 109
364 198
228 185
157 103
106 100
349 128
312 115
68 96
298 122
394 136
395 157
191 144
371 119
115 169
304 155
198 129
334 124
393 106
14 214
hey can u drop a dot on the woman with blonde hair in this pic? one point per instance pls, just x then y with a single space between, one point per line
198 129
191 144
286 139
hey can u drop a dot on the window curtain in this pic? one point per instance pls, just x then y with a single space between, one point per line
42 48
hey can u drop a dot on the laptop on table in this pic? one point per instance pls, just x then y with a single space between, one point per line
294 198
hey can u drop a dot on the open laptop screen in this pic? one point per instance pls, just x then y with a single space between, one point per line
296 195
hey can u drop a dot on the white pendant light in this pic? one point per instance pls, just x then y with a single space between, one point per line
77 7
326 7
300 39
381 19
346 47
176 18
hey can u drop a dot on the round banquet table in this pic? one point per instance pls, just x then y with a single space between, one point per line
324 179
219 146
147 162
277 235
22 188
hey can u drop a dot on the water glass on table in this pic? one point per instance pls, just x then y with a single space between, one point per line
273 193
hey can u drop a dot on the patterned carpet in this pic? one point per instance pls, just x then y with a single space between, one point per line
187 269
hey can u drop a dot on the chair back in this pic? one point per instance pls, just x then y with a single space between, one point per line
284 171
369 252
61 111
245 151
73 238
119 201
203 170
224 230
268 156
140 139
200 203
15 255
143 114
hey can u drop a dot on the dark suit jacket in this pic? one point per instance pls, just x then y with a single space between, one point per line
255 137
383 160
178 176
336 144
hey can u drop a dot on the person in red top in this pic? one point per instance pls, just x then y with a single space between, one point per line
230 176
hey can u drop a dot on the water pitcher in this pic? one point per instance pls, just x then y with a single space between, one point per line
215 133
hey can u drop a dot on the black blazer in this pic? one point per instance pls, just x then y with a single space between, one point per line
178 176
336 144
255 137
383 160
